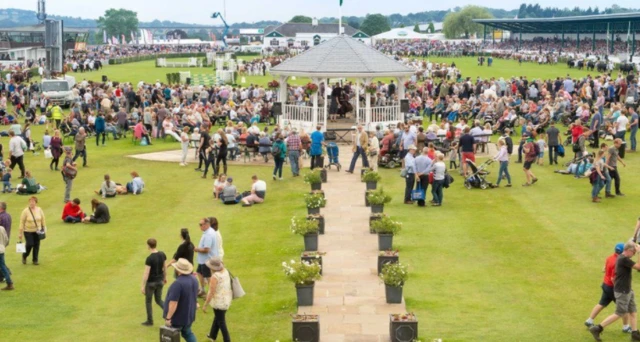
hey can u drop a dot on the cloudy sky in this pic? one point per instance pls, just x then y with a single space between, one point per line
198 11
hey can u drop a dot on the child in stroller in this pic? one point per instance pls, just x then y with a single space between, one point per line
478 176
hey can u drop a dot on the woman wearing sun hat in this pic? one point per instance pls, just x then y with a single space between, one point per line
219 297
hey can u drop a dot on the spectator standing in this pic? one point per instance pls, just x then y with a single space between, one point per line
207 248
4 270
317 140
31 221
216 227
181 301
294 144
503 158
69 173
374 150
612 161
467 149
530 156
219 298
423 165
553 141
5 221
56 150
17 146
439 171
633 128
360 144
81 148
153 279
279 152
410 178
185 250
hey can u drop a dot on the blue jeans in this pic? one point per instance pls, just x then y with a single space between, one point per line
597 186
187 334
82 153
113 131
607 181
278 169
436 191
72 219
579 169
294 156
4 270
359 152
632 136
504 170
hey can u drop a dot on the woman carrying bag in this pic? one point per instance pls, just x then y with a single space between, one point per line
34 229
219 297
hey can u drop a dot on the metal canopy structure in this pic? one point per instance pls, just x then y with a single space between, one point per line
600 24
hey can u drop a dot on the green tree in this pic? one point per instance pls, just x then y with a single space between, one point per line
431 28
375 24
353 22
118 22
301 19
457 24
416 28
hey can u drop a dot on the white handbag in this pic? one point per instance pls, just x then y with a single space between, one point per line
236 287
20 248
48 154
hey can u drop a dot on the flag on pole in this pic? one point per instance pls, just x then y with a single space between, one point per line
341 2
133 37
124 41
114 40
104 37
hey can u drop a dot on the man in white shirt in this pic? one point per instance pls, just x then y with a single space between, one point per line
258 192
621 125
17 146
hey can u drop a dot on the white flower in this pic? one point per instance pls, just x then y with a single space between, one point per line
293 261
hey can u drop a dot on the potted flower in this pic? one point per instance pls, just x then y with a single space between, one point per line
314 203
311 89
320 219
371 88
308 229
314 178
403 327
394 276
273 85
306 328
410 85
378 198
303 275
387 257
317 192
311 256
374 217
371 178
386 228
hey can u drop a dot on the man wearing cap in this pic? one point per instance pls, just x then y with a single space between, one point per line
360 143
181 301
625 298
207 248
607 289
410 167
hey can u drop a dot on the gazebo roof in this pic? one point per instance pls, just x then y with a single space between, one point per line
342 56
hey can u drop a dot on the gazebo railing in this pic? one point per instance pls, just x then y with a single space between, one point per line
381 114
298 113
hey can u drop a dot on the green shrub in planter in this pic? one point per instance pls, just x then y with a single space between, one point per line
371 176
302 226
394 276
378 197
315 201
313 177
386 225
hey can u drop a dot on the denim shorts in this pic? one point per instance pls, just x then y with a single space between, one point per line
607 295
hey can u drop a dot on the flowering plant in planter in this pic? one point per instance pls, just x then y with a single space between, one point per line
378 197
302 273
405 317
377 215
394 274
302 226
313 177
371 176
371 89
314 254
315 201
386 225
409 85
311 89
273 85
304 318
389 252
317 192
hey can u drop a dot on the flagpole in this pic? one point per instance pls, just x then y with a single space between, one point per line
340 19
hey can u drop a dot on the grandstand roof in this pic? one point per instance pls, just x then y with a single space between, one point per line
612 23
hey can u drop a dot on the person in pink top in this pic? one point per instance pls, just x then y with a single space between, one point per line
140 132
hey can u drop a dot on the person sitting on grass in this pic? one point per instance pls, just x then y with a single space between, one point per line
29 185
136 186
108 188
230 193
100 213
219 185
72 213
258 192
140 132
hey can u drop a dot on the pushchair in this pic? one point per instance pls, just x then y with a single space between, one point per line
477 179
333 152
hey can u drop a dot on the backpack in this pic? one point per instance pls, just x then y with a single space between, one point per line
276 151
536 148
576 146
593 176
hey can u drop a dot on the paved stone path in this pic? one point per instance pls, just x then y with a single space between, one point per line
350 298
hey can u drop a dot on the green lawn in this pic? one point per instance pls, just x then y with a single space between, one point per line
518 264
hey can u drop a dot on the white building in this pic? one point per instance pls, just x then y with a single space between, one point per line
302 35
405 34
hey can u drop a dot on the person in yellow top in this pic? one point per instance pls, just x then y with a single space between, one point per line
31 221
56 115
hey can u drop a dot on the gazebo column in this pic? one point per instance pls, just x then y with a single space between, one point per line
401 95
282 96
326 105
367 105
358 80
314 118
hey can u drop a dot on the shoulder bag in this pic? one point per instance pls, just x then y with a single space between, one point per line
41 233
236 287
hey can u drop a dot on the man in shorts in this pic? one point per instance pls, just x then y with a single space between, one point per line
625 298
467 149
530 157
207 248
607 289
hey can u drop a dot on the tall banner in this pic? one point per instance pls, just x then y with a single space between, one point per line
104 37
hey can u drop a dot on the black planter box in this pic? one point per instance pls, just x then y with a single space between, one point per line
311 242
382 259
316 186
385 242
371 219
312 259
372 185
377 208
320 223
312 211
403 331
307 331
323 175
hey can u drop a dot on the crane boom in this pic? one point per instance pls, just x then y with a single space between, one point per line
226 27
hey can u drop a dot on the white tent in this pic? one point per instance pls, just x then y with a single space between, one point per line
405 33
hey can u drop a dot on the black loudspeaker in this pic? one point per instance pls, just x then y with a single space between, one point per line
277 108
104 78
330 136
188 80
404 106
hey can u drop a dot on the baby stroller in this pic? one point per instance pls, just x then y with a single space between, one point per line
333 152
477 179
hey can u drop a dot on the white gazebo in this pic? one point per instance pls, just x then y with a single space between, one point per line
337 58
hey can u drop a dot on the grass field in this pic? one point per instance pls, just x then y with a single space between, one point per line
518 264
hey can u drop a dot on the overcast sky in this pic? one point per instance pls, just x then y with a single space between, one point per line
199 11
